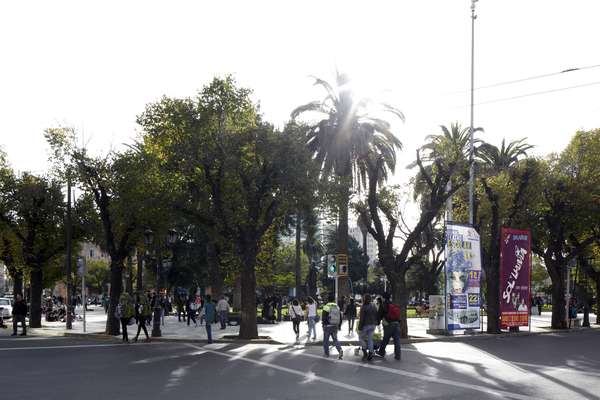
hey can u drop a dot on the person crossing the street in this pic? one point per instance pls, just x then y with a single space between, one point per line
389 315
331 321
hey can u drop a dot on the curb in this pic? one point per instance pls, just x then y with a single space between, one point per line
268 340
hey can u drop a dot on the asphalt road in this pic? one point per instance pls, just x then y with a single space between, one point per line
556 366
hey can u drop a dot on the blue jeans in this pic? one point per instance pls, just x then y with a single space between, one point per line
367 332
391 331
330 330
209 332
223 318
312 327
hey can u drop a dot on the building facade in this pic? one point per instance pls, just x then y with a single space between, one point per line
356 233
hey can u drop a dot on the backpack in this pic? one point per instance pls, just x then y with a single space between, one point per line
334 315
393 312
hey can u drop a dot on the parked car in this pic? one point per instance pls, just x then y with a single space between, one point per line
6 305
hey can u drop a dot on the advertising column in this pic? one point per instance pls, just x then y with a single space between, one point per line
463 276
515 277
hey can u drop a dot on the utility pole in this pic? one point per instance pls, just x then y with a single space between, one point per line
471 128
69 251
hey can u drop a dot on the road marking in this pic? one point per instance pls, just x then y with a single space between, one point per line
433 379
306 375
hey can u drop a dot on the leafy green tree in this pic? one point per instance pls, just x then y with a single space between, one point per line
122 195
348 133
563 217
439 162
98 275
240 172
504 186
32 207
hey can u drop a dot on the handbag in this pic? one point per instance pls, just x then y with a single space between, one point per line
131 321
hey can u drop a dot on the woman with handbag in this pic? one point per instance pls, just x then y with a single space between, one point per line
296 314
125 312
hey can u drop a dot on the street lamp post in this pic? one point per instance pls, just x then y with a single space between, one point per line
149 239
471 128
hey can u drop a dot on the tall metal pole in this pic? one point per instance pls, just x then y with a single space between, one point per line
69 251
156 331
83 291
471 129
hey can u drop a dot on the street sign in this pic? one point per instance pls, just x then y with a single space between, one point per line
342 263
331 266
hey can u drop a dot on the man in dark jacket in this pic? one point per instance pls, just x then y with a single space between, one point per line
19 313
391 327
367 322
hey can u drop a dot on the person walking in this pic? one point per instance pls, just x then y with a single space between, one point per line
350 315
366 326
124 313
572 310
312 318
223 311
342 305
279 305
295 313
389 315
190 310
179 305
209 316
540 304
19 312
331 321
142 311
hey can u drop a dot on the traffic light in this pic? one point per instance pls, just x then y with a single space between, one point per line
331 266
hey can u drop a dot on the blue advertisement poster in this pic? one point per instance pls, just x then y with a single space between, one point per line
463 277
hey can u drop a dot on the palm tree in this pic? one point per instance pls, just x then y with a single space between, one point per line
493 162
342 140
451 145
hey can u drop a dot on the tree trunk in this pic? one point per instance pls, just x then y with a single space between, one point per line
130 275
559 305
297 264
344 287
237 293
400 297
116 282
18 283
493 277
216 279
35 315
248 328
139 285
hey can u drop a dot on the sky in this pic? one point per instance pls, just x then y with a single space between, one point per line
94 65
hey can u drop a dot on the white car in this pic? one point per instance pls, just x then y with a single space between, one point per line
6 305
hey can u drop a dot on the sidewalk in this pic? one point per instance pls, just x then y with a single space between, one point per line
280 333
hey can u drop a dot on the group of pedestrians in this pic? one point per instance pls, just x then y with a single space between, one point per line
384 312
138 311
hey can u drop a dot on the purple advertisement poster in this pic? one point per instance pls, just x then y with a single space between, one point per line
515 277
